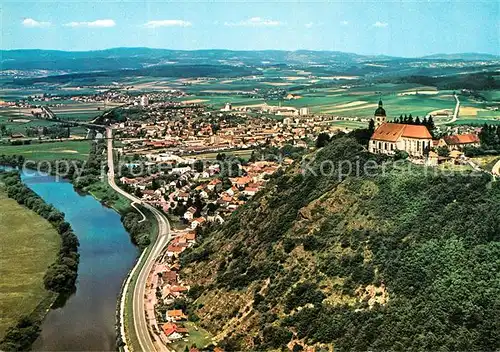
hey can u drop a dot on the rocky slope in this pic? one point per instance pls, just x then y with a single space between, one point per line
399 259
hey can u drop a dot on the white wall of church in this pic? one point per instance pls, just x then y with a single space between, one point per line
413 146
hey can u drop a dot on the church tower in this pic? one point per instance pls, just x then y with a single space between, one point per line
379 117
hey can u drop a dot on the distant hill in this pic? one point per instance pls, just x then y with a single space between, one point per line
130 58
463 57
398 259
134 58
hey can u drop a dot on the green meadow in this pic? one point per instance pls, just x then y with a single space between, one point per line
28 245
78 149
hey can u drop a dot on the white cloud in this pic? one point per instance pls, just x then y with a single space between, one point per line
167 23
94 24
344 23
379 24
255 22
31 23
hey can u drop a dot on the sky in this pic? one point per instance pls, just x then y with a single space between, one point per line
397 27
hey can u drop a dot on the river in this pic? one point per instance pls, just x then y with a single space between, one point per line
86 322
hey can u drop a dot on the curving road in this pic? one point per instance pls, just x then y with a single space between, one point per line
139 315
496 169
457 109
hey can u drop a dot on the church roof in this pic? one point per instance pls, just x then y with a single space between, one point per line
391 132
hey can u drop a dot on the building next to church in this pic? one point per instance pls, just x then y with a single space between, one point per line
389 137
459 141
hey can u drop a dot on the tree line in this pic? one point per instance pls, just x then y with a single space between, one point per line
490 142
54 132
409 120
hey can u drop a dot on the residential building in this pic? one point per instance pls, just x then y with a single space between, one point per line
460 141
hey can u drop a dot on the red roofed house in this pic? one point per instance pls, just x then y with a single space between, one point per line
190 237
198 221
459 141
174 332
175 315
173 251
169 329
389 137
189 214
250 191
215 184
170 277
241 182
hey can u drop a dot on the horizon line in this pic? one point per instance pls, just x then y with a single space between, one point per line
257 50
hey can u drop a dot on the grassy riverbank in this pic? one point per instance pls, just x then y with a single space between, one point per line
108 196
22 267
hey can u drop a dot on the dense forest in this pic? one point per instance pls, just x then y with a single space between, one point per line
475 81
60 277
398 258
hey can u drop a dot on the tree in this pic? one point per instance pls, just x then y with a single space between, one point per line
155 184
425 122
59 278
371 126
322 140
400 155
443 151
138 192
274 336
221 156
198 166
430 124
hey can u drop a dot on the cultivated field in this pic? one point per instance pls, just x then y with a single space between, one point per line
28 245
49 151
73 110
351 100
324 90
19 120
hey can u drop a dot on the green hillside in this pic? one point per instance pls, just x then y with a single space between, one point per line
397 259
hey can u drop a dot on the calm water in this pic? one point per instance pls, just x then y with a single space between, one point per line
87 319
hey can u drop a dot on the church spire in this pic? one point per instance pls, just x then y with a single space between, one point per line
379 116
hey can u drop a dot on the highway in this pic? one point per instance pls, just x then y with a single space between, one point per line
141 329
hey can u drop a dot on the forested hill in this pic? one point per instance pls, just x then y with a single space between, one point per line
399 260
